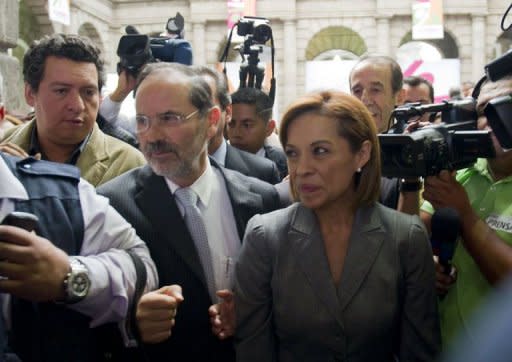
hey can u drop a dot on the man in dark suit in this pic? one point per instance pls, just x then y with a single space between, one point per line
175 120
222 152
251 123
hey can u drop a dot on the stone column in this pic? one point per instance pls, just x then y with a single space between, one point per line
289 91
383 36
9 66
478 46
199 44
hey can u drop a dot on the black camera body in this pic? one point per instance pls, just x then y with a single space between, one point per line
251 73
135 50
499 110
499 115
259 34
452 145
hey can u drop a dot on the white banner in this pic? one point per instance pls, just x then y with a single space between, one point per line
427 19
58 10
443 74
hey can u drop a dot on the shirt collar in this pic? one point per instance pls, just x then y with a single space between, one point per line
261 152
35 147
482 167
201 186
10 186
220 154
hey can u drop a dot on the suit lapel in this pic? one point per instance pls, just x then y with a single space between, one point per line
92 159
244 202
156 202
311 259
364 247
234 161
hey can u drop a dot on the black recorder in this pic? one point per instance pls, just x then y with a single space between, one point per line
22 220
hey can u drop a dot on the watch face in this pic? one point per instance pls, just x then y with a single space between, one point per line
79 285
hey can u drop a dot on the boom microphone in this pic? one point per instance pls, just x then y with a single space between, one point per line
445 226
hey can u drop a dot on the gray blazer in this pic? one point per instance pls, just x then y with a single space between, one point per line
289 309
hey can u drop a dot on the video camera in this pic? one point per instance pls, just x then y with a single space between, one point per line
452 145
499 110
135 49
256 32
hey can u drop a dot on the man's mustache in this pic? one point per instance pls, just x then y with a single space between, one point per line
158 147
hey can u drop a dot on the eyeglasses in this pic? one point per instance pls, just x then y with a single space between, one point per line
167 119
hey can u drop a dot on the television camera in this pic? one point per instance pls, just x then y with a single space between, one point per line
256 32
135 49
499 110
454 144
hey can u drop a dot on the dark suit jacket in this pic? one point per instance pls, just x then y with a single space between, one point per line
251 165
289 308
144 199
278 156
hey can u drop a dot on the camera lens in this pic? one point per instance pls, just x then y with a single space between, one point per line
262 33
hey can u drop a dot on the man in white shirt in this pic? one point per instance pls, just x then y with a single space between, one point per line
74 271
176 118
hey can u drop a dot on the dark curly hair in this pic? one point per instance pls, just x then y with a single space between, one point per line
74 47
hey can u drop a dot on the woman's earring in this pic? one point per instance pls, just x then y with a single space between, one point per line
359 170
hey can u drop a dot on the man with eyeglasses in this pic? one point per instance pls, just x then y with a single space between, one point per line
193 244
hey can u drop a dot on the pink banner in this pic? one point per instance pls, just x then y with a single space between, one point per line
238 9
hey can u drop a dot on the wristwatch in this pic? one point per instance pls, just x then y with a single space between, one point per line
76 282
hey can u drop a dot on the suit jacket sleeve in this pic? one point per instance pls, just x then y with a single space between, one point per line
419 326
254 340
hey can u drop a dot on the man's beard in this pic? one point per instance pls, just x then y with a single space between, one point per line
183 165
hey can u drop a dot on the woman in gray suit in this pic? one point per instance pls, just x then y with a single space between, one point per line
336 276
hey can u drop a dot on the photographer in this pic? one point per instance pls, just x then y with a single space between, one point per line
110 106
135 51
482 196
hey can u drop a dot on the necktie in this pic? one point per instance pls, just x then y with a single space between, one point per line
195 224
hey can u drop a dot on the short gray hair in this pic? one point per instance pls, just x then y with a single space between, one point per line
200 93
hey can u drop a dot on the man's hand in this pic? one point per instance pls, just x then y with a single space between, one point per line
443 190
35 268
444 281
125 84
222 315
15 150
156 313
416 124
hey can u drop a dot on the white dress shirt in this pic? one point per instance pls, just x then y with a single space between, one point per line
220 154
217 212
106 236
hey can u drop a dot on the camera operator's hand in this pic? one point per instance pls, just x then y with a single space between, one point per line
414 125
443 190
125 84
444 281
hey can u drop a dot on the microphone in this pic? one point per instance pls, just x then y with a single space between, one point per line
445 226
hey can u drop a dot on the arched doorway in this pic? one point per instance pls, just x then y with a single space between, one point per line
335 41
436 60
332 51
503 44
88 30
